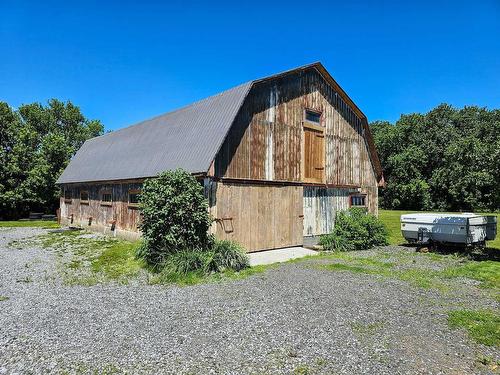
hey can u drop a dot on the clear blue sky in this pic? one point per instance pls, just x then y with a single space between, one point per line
125 61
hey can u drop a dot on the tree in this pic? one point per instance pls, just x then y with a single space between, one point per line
36 144
447 159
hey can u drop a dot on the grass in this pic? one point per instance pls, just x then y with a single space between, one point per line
3 298
45 224
391 219
87 259
482 325
198 277
404 266
488 272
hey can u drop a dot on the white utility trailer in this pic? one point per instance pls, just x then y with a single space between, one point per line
454 229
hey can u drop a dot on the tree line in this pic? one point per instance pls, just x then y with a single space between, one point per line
447 159
36 143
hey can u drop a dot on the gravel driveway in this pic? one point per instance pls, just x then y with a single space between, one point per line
291 319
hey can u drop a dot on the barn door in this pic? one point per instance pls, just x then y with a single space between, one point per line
314 154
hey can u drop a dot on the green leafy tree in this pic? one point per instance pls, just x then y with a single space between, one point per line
36 144
447 159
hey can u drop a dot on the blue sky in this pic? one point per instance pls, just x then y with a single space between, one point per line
126 61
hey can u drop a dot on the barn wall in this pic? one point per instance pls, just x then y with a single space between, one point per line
321 204
259 217
127 217
265 142
320 207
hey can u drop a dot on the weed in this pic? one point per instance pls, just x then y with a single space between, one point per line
366 329
302 370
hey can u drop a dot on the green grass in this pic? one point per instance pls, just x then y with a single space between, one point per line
3 298
403 266
488 272
46 224
391 219
198 277
482 325
87 260
419 277
90 260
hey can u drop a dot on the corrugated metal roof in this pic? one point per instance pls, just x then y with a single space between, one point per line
187 138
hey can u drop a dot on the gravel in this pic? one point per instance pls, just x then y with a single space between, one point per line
293 318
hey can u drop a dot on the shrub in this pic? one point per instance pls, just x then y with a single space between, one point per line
355 230
175 217
227 255
189 267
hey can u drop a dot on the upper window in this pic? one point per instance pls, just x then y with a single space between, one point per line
67 195
106 197
313 116
133 197
358 200
84 197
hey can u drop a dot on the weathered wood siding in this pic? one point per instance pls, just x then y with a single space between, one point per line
258 216
321 206
126 217
266 141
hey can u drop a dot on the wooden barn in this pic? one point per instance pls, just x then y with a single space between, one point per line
278 158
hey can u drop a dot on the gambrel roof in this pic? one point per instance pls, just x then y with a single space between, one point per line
187 138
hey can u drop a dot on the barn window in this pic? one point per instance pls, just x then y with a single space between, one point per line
358 200
133 197
84 197
313 116
67 195
106 198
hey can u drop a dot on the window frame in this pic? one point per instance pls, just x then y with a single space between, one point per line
84 201
362 195
104 192
136 192
66 199
315 112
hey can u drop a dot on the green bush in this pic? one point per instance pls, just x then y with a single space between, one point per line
175 217
355 230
